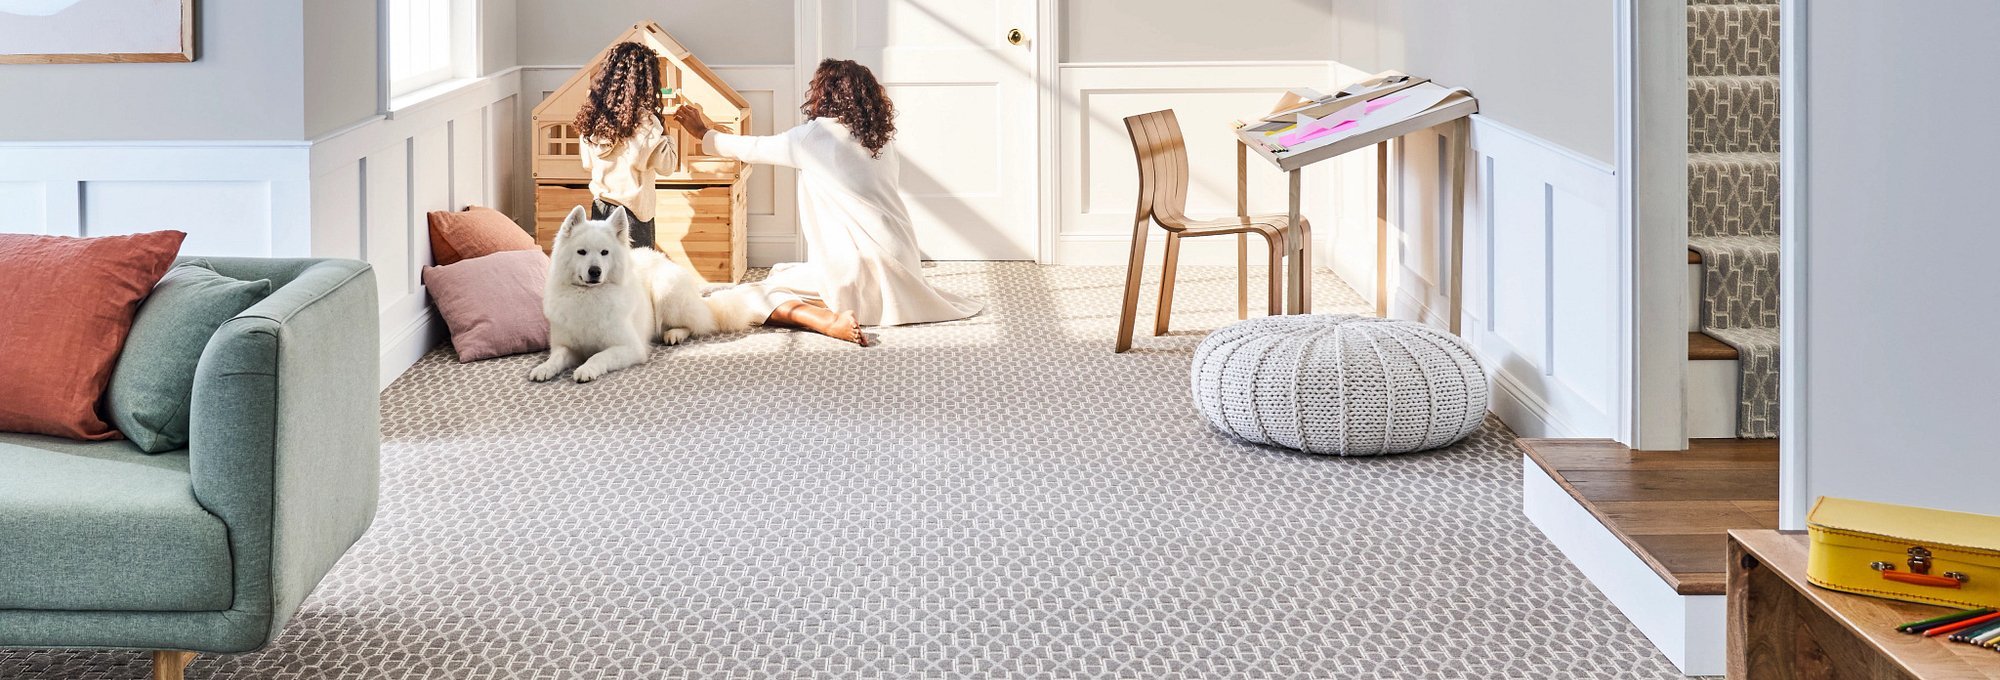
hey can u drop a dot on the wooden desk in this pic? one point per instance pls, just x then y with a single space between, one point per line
1298 255
1781 626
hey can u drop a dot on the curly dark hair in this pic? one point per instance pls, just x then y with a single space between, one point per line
624 89
848 92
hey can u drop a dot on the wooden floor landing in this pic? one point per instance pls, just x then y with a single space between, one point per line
1672 508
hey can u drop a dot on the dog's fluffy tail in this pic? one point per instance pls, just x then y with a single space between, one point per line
732 313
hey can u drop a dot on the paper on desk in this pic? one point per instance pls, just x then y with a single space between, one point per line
1406 104
1309 129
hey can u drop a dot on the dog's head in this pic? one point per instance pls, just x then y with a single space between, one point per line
591 252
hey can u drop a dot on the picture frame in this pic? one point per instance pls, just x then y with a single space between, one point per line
96 31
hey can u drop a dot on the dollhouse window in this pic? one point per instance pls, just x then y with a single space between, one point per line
430 42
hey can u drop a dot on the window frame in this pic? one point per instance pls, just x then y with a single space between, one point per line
460 34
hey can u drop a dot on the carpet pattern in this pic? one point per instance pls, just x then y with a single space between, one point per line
995 497
1733 192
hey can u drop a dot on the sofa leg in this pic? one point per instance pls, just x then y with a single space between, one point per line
169 665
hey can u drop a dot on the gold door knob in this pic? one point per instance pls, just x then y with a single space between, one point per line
1015 36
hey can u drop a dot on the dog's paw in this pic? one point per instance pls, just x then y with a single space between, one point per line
587 373
544 372
674 336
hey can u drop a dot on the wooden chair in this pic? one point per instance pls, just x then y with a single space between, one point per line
1163 189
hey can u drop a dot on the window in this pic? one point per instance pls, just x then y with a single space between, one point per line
430 41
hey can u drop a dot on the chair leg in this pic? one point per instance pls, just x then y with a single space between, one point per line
1167 284
1276 295
171 665
1242 275
1305 273
1134 268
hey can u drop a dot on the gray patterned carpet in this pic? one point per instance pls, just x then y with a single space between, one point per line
1733 192
996 497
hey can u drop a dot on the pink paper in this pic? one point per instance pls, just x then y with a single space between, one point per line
1370 107
1336 123
1315 132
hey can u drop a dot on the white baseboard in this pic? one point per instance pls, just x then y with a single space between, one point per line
1688 629
410 344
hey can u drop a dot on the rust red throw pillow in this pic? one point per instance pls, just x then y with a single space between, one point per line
68 303
475 232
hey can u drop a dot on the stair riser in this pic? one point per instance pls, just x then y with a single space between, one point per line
1734 195
1733 115
1733 40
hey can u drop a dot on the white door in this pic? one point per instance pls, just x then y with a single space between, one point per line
965 114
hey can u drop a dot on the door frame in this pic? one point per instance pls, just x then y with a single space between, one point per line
1652 141
807 49
1793 500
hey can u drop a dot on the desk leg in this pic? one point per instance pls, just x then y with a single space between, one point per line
1300 253
1242 239
1382 229
1461 140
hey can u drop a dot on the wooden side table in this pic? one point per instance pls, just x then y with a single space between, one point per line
1782 626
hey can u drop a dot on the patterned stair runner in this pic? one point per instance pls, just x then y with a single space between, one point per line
1733 192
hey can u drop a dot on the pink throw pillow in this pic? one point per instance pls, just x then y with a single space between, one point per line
492 303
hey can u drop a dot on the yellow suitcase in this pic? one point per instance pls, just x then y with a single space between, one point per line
1905 553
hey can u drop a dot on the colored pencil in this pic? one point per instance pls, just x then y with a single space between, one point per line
1920 626
1962 625
1968 634
1989 635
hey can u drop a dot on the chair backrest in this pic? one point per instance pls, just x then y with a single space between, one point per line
1163 165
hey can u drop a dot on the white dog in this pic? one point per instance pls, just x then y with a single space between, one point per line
606 301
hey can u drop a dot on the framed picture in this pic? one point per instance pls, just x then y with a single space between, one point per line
96 31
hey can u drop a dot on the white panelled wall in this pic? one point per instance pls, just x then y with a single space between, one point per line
372 184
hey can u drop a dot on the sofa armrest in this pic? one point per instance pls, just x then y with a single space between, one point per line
285 435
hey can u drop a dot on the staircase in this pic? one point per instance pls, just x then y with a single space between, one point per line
1733 198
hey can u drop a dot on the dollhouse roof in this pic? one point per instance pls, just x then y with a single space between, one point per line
711 93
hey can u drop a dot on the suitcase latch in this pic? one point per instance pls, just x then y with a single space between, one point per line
1920 560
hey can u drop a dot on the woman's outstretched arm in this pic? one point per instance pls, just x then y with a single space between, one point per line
769 150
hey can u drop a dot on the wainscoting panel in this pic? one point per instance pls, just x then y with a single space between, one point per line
1541 270
1099 175
372 184
232 198
23 209
774 103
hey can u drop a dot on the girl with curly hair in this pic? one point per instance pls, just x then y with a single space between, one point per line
625 141
862 264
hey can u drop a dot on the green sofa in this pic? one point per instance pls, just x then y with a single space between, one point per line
212 548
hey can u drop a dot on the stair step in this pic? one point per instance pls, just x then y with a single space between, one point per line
1733 40
1733 114
1733 194
1739 281
1701 347
1673 509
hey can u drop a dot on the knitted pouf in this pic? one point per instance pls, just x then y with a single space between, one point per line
1340 384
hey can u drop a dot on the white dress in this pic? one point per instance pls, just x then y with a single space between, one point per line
861 252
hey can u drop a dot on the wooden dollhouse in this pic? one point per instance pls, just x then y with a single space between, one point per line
701 222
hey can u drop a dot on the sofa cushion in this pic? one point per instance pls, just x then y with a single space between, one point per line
475 232
154 382
104 527
69 304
